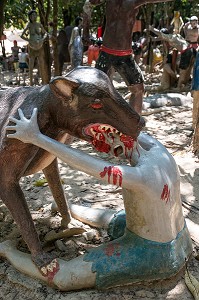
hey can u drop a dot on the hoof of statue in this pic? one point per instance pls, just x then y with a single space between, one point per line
47 265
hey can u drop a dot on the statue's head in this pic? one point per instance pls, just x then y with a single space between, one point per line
164 30
32 15
78 21
194 21
176 14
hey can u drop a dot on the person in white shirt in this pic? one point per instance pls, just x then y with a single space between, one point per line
23 60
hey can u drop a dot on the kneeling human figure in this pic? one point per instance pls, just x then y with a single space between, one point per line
156 240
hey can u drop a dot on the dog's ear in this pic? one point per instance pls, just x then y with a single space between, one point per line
63 87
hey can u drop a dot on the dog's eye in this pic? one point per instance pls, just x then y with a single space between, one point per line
96 104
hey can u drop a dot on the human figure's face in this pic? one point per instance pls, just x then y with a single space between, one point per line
33 17
80 24
194 23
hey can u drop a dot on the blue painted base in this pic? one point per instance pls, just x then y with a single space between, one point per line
131 259
195 81
117 225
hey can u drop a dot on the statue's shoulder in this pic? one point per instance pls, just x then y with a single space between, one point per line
28 25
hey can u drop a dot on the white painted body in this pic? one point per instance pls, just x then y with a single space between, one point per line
147 215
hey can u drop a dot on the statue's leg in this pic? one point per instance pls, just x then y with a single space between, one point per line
126 260
132 75
72 275
165 81
31 66
136 98
182 78
131 259
43 69
51 173
103 63
96 217
186 66
13 197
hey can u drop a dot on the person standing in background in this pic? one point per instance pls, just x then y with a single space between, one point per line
15 55
23 63
23 59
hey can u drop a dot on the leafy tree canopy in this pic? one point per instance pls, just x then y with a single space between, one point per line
16 11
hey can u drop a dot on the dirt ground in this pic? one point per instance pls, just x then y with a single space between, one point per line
173 127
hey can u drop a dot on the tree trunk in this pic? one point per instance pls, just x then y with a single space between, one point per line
149 21
196 122
44 18
2 6
54 39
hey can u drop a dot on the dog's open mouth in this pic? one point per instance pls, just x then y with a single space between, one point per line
106 138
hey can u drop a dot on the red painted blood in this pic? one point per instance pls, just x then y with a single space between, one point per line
165 196
115 171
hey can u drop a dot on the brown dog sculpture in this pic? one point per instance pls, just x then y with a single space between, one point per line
66 106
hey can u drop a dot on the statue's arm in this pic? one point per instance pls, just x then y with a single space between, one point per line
142 2
87 12
44 32
163 36
181 24
172 21
28 132
185 28
24 33
155 30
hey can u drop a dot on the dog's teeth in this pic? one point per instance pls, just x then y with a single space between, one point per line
44 270
92 131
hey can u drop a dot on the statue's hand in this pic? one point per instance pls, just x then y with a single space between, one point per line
26 130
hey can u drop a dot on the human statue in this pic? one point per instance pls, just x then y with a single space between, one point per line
177 22
35 34
191 32
155 242
116 51
75 44
187 54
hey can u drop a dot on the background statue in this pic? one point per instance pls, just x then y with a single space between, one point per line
75 45
63 40
15 55
187 54
177 22
35 34
191 31
116 51
155 243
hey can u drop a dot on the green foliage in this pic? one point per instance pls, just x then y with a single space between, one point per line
187 8
40 182
16 11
